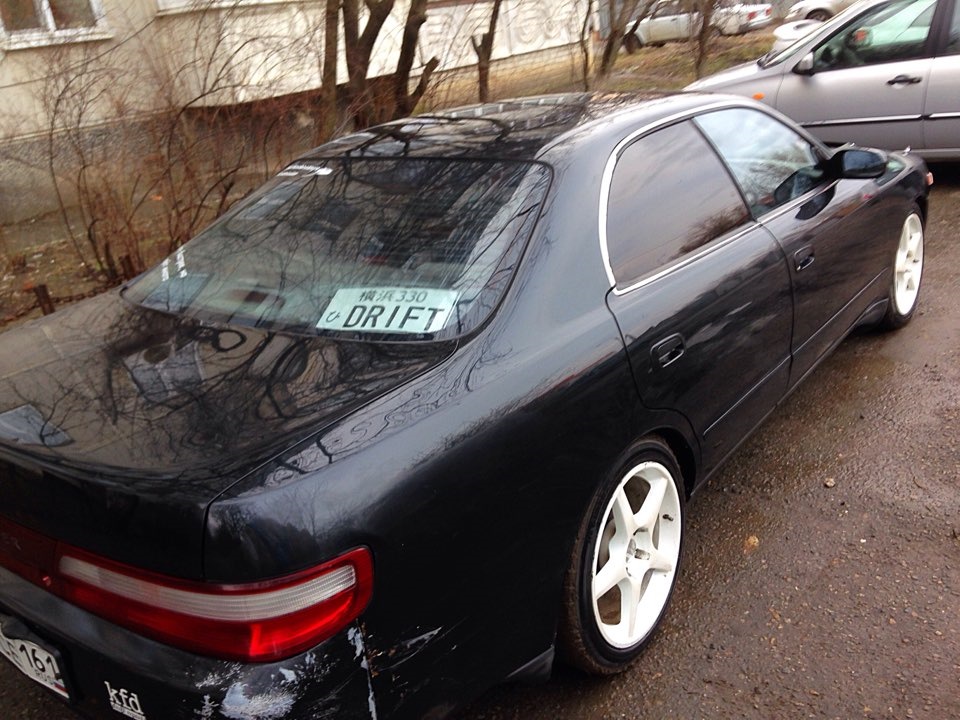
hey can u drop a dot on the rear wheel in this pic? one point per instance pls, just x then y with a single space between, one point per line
907 273
625 562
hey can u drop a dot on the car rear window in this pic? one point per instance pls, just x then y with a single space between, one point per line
407 248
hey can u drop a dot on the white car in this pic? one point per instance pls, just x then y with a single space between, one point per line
734 18
671 20
816 9
789 33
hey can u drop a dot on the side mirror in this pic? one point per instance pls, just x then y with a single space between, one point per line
805 66
858 163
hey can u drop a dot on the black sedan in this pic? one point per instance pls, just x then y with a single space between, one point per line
422 414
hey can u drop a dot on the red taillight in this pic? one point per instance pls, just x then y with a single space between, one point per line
256 622
751 15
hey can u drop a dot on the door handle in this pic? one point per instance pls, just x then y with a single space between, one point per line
904 80
803 258
668 350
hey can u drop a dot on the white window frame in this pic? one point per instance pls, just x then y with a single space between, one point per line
173 7
49 34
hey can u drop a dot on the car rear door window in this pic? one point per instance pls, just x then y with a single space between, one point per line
772 163
670 196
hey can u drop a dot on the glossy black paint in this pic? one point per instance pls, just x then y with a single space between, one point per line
160 415
235 454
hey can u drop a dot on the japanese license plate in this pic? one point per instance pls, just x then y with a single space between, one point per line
33 660
389 310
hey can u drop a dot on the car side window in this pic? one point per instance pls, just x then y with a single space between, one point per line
771 162
669 196
886 33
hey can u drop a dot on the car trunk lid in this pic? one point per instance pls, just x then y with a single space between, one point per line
119 425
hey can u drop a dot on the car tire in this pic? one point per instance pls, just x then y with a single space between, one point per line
624 562
821 15
632 43
907 273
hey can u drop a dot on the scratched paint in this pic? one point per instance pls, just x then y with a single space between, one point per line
237 705
354 636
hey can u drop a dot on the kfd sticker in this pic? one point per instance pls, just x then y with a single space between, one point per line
389 310
125 702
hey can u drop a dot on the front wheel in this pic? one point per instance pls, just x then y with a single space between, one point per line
632 43
907 273
625 562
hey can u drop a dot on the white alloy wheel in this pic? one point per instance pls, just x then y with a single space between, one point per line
908 266
636 555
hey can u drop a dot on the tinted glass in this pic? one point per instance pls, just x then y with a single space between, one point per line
669 196
407 247
772 163
888 33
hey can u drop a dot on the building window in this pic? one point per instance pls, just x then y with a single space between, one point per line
27 23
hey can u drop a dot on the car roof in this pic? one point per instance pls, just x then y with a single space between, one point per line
517 129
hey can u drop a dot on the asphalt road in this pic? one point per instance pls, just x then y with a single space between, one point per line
822 567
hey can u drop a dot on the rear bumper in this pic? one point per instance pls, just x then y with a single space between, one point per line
111 672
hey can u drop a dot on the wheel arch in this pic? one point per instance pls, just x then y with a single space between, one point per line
684 454
922 203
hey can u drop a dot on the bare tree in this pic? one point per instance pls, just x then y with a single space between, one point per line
328 91
381 99
484 50
587 31
706 32
405 100
358 47
620 13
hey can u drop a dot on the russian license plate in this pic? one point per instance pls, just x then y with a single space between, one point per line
33 660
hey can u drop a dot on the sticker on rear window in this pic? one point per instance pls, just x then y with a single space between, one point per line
389 310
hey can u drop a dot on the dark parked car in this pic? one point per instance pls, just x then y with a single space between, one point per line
422 413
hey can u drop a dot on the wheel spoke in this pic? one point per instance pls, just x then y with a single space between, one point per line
647 516
623 515
609 576
913 245
630 595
